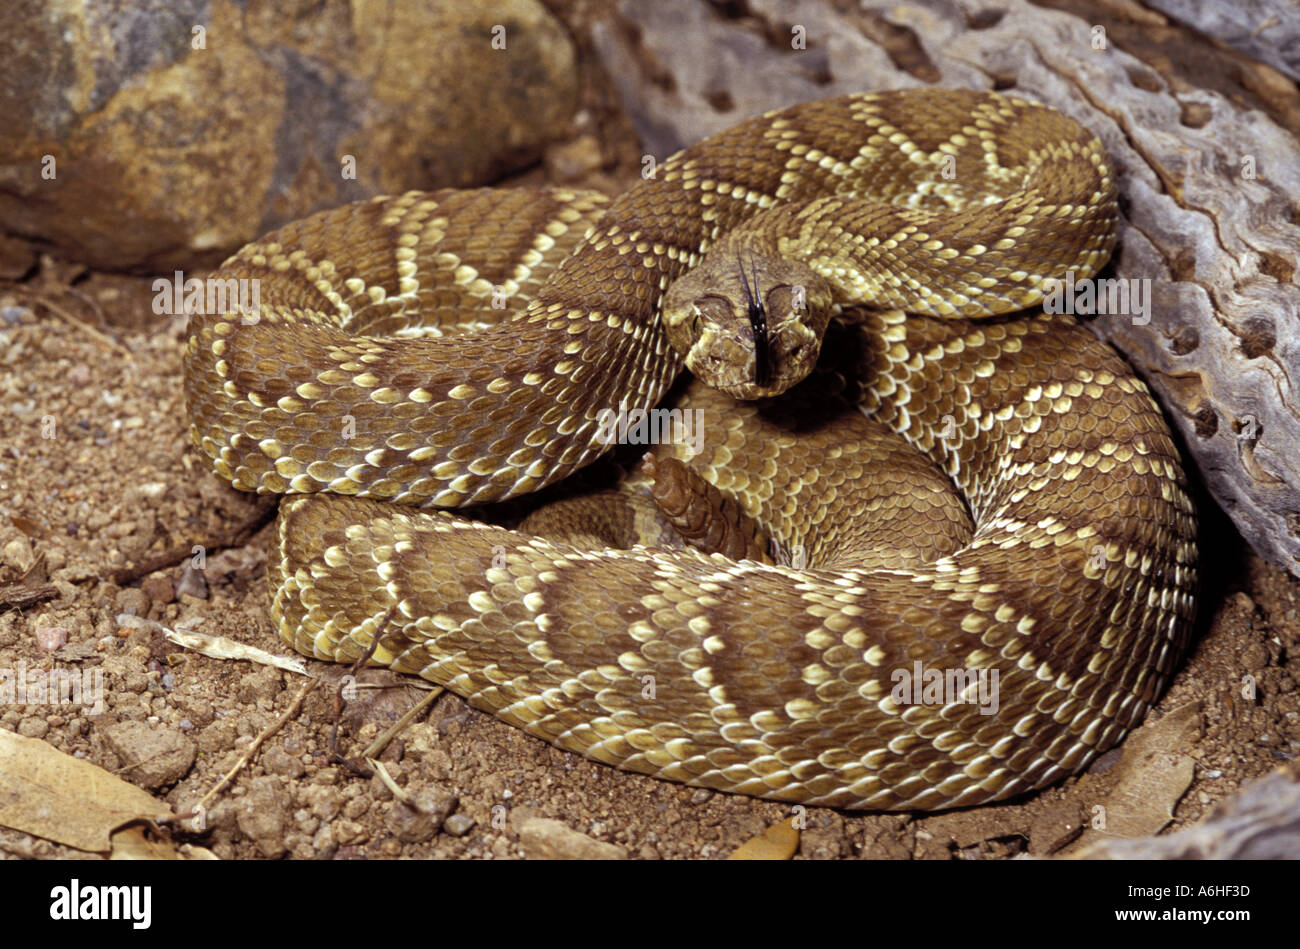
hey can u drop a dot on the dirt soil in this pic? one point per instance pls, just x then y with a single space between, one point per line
102 500
119 483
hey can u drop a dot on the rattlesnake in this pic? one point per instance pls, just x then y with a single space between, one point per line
456 348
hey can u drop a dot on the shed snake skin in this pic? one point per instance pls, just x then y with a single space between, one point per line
967 491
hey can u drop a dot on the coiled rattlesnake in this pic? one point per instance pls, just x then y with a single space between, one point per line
1045 533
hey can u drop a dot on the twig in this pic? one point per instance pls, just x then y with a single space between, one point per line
340 701
388 782
235 537
376 747
247 756
90 302
84 327
23 595
31 588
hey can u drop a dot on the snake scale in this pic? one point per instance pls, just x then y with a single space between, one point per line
969 489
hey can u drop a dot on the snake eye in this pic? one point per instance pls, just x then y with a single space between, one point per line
695 326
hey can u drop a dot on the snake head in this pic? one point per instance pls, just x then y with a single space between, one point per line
751 329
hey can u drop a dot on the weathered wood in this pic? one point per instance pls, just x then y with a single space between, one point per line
1260 823
1267 30
1209 222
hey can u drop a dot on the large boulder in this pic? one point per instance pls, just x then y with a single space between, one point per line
148 134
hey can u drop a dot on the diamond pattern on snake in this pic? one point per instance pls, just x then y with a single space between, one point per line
932 547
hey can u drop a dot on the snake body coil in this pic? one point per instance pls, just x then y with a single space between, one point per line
438 351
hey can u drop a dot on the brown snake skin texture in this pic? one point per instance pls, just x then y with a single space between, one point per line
966 492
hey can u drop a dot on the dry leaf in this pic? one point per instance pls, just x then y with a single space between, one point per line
216 647
27 526
1260 823
49 794
778 842
131 843
1151 777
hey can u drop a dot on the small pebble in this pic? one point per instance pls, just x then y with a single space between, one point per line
133 600
18 552
192 583
50 638
458 825
159 589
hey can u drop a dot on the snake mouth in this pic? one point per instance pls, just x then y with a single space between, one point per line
752 391
736 367
749 392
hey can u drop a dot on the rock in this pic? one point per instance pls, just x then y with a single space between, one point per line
50 638
158 589
323 841
264 683
826 838
151 136
263 816
418 821
1053 828
151 757
217 737
16 315
324 802
350 833
278 761
546 839
191 583
1254 658
458 825
133 600
17 258
18 553
33 727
